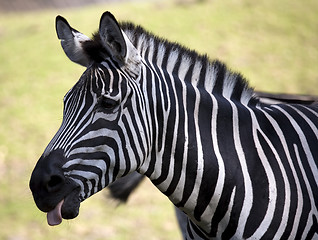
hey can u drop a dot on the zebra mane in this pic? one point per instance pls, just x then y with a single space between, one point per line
231 85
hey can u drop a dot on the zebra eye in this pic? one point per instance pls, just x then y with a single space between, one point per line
108 103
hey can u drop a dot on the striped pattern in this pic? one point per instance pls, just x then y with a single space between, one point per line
237 167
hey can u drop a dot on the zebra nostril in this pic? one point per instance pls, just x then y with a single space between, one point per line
55 183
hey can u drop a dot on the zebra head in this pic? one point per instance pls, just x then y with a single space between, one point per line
94 144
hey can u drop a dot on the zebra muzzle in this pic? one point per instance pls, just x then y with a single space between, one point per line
53 192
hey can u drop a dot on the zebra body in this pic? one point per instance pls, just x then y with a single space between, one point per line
237 167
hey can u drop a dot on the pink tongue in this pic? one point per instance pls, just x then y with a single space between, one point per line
54 217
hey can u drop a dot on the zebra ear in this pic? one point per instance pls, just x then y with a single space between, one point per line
71 41
112 37
118 45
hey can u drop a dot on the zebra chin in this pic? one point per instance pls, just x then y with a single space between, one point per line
53 192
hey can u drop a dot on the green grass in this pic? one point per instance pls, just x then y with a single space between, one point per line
272 43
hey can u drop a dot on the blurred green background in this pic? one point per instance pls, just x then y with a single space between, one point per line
274 44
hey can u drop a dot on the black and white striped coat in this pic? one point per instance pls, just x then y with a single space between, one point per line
237 167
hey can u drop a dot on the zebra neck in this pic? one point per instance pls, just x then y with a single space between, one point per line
189 101
185 158
182 89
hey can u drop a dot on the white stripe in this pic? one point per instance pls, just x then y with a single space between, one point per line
176 196
145 165
173 56
211 208
310 193
160 76
248 196
272 188
192 200
226 219
102 148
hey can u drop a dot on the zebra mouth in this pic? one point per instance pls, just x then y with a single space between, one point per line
67 208
53 192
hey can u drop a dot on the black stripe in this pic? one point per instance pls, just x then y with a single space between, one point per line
220 74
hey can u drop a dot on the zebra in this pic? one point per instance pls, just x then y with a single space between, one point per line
238 168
